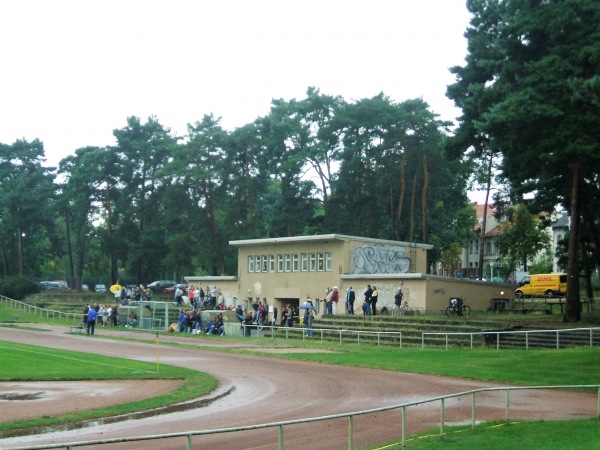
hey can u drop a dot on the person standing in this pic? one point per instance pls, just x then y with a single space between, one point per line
398 301
201 296
178 296
92 315
374 297
328 302
192 297
335 297
289 321
308 322
350 297
367 295
274 317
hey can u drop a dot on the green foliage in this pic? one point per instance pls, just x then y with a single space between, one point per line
522 237
17 287
157 206
451 257
529 91
544 265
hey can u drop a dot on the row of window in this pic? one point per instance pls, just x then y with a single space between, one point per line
490 248
291 262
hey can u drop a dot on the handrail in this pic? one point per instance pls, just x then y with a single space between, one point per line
338 331
350 415
25 307
557 332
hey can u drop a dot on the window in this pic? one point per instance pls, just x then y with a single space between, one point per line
312 262
295 262
288 262
257 263
250 263
265 267
328 261
488 248
304 262
320 261
279 263
271 263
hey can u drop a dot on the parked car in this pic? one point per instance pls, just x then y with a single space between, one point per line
52 286
85 287
100 288
183 287
161 285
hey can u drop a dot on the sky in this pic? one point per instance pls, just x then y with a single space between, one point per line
73 70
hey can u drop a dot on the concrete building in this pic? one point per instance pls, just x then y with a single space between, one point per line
285 271
491 255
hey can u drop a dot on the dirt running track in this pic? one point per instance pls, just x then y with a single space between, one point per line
270 390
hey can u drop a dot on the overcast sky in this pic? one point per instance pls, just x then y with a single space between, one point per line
74 70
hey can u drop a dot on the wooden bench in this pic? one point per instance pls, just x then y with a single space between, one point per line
12 321
78 328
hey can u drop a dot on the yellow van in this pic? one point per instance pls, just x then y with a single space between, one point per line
548 284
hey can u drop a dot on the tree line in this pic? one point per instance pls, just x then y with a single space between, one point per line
157 205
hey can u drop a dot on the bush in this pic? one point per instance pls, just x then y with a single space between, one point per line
17 287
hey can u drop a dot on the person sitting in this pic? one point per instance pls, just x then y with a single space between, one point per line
209 303
217 326
132 320
196 322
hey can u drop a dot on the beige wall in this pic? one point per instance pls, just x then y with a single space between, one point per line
425 293
228 286
476 294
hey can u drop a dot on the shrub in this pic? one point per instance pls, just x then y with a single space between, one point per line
17 287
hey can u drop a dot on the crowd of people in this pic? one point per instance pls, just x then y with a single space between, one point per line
190 321
102 315
257 316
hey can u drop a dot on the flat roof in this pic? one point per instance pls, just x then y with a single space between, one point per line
324 238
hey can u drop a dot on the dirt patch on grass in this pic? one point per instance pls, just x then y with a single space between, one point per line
30 400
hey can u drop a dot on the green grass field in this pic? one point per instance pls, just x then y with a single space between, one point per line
18 361
525 367
538 435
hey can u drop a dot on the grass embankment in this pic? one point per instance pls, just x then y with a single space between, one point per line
18 361
564 435
526 367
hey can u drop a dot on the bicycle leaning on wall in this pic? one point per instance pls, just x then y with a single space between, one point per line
457 307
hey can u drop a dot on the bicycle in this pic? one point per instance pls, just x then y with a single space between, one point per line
402 309
456 309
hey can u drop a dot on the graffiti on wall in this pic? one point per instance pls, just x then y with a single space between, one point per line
370 259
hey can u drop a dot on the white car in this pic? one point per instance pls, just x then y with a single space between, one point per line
100 288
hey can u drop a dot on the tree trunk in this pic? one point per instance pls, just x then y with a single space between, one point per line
573 309
485 210
75 283
412 209
589 288
424 199
20 246
402 194
4 265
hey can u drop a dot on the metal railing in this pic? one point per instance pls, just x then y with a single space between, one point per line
341 335
487 334
350 416
36 310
